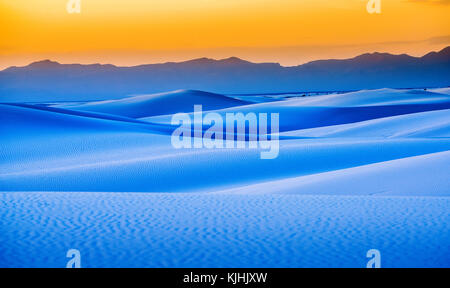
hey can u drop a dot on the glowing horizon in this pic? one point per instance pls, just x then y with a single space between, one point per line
285 31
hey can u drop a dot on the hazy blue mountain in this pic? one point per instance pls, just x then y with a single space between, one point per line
51 81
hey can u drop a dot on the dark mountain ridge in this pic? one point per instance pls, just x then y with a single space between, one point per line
50 81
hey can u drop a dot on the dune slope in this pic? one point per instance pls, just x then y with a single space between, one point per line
159 104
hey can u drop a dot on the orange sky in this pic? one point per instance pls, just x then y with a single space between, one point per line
129 32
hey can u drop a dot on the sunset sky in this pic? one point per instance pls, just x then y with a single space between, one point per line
291 32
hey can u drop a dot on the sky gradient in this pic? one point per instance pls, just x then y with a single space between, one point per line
290 32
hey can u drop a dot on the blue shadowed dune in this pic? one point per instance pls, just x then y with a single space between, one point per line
23 120
430 124
160 104
329 110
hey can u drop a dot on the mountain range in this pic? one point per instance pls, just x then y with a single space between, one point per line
51 81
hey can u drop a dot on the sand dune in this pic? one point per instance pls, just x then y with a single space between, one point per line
159 104
355 171
425 124
70 150
20 120
150 165
296 117
380 97
384 178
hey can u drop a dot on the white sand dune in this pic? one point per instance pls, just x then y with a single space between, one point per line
159 104
27 121
355 171
384 178
149 166
425 124
329 110
69 150
380 97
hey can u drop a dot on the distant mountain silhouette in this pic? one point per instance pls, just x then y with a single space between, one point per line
51 81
